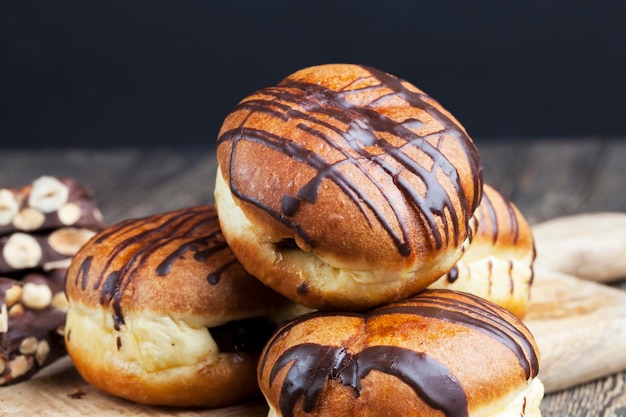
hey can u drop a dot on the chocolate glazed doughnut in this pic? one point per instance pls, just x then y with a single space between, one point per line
439 353
161 312
345 187
498 265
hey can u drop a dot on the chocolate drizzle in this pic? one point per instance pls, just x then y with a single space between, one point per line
195 229
363 145
491 214
83 272
311 365
478 315
488 206
214 277
453 274
513 221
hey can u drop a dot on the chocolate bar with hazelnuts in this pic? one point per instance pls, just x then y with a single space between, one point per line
48 203
21 251
32 321
42 226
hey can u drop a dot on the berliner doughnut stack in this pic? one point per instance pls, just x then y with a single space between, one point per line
42 225
352 192
347 191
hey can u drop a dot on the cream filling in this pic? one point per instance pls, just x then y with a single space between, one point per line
525 404
317 265
496 279
145 343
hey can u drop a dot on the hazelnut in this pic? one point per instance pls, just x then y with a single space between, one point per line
36 296
22 251
28 345
48 194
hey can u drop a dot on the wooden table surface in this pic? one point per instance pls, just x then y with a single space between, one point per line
544 178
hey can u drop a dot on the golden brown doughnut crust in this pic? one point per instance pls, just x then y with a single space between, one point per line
498 265
354 166
437 353
142 295
501 229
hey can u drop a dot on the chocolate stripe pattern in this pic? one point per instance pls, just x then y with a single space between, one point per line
195 230
504 231
477 315
486 210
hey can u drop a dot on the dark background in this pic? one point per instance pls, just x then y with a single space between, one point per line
112 73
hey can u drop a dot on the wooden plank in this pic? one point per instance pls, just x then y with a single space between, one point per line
503 161
127 182
607 191
60 391
20 167
605 397
554 180
138 183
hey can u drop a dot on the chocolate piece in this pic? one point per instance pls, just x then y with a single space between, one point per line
32 317
48 203
42 226
21 251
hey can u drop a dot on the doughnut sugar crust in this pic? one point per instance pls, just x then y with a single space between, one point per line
499 263
161 312
438 353
345 187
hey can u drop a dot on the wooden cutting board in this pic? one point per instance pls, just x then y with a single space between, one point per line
580 327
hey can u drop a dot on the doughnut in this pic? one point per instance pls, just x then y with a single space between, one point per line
32 317
438 353
498 265
162 313
344 187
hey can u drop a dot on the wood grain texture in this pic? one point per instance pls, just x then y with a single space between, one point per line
544 178
551 178
60 391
